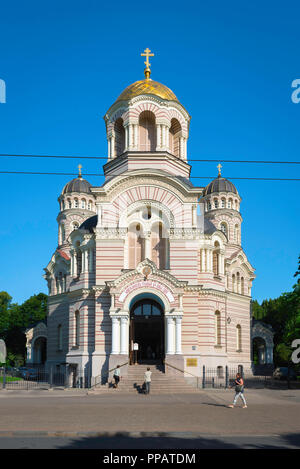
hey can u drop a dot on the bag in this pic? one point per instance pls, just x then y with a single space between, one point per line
239 388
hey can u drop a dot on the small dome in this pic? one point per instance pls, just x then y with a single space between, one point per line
147 86
77 185
219 185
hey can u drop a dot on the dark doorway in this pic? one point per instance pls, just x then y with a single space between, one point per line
147 330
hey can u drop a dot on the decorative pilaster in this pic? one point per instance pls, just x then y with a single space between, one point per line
178 321
124 335
115 337
170 335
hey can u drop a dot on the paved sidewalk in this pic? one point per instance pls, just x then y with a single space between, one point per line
269 412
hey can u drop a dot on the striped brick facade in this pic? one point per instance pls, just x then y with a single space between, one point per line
204 286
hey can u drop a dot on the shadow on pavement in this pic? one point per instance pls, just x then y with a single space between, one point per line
123 440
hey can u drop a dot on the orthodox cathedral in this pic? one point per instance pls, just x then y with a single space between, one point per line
149 267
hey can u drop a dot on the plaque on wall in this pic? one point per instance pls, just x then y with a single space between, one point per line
191 362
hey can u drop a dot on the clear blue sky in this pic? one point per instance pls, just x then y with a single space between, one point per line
231 64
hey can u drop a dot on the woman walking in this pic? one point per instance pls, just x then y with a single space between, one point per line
239 391
117 376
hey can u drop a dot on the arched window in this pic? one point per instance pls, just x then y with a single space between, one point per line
216 251
216 203
75 225
147 131
69 203
208 205
224 228
223 203
135 246
90 205
174 137
83 203
238 283
77 328
242 286
229 204
62 204
217 328
63 233
238 338
76 203
159 246
59 337
233 283
119 137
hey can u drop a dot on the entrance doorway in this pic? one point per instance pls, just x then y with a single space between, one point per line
146 330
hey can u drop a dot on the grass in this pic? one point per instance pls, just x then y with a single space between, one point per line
9 379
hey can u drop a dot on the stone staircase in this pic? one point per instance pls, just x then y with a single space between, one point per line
160 382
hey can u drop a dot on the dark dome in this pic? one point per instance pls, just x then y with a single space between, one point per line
219 185
89 223
77 185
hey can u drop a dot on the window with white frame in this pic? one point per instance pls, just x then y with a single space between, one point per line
217 328
238 338
77 328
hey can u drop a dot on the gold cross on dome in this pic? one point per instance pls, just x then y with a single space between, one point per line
147 53
219 168
79 170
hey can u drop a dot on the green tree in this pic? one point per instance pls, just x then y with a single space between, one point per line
15 319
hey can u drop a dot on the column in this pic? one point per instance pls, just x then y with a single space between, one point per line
90 260
210 260
108 147
124 341
130 135
99 213
167 139
86 260
158 137
221 264
147 246
112 146
115 335
194 215
75 264
136 136
185 148
126 138
203 260
72 263
163 144
178 335
170 335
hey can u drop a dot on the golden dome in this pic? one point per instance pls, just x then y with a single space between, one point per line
147 86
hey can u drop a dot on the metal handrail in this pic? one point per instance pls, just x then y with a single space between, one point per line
106 373
182 371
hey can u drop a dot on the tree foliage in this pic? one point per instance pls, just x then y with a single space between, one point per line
15 319
283 314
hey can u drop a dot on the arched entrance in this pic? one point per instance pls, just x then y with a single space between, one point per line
146 329
40 351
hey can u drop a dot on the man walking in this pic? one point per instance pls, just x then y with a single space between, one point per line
147 379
